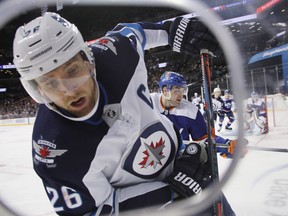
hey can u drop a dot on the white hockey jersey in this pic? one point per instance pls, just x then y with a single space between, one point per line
126 149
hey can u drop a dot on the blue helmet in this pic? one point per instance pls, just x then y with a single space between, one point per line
170 79
226 92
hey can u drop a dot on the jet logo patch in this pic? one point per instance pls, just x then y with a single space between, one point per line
46 151
151 153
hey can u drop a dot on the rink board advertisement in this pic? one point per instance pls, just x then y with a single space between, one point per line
17 121
278 51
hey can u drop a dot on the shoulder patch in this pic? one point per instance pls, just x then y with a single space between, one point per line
46 151
105 43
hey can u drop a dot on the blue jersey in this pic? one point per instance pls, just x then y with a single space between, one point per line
227 105
126 149
188 120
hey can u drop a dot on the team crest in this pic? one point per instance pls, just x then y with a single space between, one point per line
106 43
151 153
46 151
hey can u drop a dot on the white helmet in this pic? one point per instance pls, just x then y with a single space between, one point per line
217 90
44 44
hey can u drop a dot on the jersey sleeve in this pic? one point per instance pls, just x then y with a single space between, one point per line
198 129
143 34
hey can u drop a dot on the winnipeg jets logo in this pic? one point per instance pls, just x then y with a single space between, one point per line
153 154
106 43
46 152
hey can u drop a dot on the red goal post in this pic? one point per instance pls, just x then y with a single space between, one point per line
277 109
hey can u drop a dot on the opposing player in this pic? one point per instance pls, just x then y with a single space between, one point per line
196 100
186 116
226 110
217 102
255 115
98 143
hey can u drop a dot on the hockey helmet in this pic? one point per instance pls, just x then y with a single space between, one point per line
217 90
254 95
170 79
226 93
44 44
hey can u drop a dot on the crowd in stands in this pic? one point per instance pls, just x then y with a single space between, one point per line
157 61
23 108
189 67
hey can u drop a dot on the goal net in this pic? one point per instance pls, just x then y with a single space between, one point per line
277 106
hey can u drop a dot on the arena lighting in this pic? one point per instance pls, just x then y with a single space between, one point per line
3 89
10 66
12 8
162 65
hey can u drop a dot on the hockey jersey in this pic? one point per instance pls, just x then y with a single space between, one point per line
216 103
227 105
125 149
257 105
186 117
188 120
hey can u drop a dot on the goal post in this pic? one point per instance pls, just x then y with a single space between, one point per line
277 107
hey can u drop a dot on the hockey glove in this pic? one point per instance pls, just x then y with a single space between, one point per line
229 150
191 172
189 36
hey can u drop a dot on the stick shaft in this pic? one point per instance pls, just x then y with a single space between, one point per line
257 148
212 151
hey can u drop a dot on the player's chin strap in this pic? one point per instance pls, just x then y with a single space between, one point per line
168 99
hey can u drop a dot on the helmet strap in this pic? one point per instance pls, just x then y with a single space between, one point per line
168 98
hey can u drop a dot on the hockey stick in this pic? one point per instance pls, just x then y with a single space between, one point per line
257 148
212 151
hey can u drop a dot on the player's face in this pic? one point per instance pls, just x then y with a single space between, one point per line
177 94
217 94
70 86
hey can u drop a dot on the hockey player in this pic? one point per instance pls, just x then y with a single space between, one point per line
226 110
217 102
255 114
99 145
186 116
196 100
